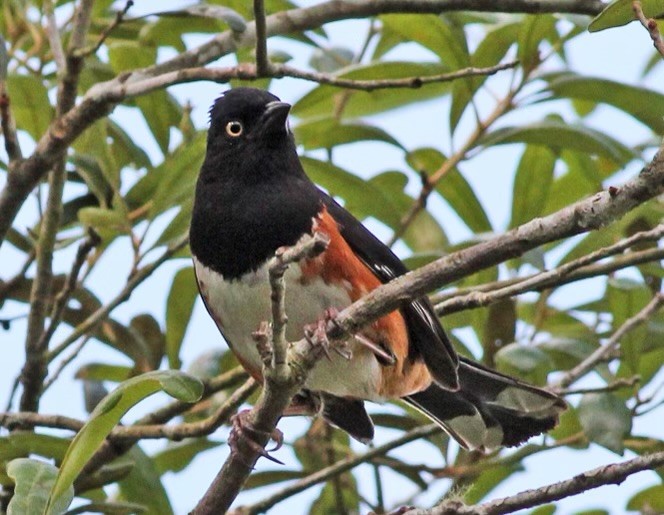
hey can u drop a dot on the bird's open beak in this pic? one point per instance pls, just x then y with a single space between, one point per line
274 118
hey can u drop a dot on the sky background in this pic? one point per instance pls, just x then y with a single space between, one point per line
618 54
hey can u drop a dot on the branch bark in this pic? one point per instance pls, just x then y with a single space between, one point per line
615 473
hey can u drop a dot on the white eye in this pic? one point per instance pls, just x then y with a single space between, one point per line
234 128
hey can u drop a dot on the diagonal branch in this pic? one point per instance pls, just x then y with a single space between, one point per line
615 473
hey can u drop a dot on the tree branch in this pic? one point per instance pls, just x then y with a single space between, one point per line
563 274
101 98
615 473
337 468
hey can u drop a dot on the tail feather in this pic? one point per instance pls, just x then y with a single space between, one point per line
489 409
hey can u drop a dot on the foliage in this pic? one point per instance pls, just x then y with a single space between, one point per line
133 190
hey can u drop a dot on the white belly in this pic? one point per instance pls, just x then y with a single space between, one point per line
238 307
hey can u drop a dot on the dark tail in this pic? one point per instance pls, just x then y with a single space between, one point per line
490 409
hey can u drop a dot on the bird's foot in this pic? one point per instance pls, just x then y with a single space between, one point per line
316 335
243 431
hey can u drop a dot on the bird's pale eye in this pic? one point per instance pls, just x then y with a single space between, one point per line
234 128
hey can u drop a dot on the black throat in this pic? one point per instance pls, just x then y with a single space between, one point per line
247 205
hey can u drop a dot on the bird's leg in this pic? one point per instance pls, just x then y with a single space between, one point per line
242 430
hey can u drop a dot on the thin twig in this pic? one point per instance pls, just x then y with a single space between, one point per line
66 361
603 351
99 315
119 17
338 468
70 284
650 25
618 263
618 384
283 258
262 60
54 37
549 278
429 182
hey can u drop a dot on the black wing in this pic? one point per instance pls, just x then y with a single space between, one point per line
427 337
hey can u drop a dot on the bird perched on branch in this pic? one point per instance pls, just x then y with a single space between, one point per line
253 197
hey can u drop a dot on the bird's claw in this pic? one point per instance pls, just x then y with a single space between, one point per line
243 430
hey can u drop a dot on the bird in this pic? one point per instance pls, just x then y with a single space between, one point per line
252 198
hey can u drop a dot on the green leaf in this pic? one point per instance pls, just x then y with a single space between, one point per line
453 187
33 480
323 100
331 59
178 455
130 55
30 106
567 352
488 480
620 13
331 502
179 306
113 508
532 183
568 426
329 132
425 233
161 112
556 134
109 412
361 197
432 32
177 227
500 327
626 298
143 484
534 29
107 223
172 182
646 105
234 19
271 477
527 362
24 443
650 500
605 420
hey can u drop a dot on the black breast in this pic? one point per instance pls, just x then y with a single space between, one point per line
236 226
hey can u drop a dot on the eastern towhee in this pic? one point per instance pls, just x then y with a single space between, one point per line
253 197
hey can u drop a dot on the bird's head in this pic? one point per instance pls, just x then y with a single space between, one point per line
248 117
